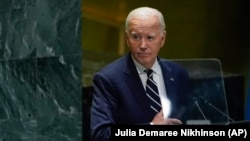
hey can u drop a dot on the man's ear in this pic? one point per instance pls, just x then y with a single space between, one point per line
126 36
163 38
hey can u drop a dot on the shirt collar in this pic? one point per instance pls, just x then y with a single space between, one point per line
156 67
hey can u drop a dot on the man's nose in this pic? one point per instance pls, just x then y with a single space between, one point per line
143 43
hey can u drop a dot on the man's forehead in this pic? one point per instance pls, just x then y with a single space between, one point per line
144 21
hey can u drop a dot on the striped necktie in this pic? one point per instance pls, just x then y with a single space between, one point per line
152 92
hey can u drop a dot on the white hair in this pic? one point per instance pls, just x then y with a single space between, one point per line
145 12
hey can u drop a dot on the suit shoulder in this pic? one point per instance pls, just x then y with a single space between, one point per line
112 67
171 64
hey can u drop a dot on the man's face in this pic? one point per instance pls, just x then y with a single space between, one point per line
145 38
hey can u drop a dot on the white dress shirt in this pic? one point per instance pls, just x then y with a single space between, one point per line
158 78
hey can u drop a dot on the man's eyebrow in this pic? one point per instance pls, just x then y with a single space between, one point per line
152 34
133 32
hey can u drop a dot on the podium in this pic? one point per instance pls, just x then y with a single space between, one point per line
241 122
208 101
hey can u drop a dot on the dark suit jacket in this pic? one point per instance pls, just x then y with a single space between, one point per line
119 96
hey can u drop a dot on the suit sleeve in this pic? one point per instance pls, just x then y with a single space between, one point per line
104 108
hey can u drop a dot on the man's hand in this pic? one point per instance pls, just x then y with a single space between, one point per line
159 120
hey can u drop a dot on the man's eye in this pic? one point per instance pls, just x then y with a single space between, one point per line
151 38
136 37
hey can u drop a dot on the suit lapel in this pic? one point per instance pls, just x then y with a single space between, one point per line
135 85
169 79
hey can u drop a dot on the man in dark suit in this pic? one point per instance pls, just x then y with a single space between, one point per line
120 95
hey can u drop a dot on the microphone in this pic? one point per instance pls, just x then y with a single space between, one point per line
198 106
198 122
218 110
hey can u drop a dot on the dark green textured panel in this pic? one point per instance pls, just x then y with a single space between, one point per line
40 70
41 99
39 28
